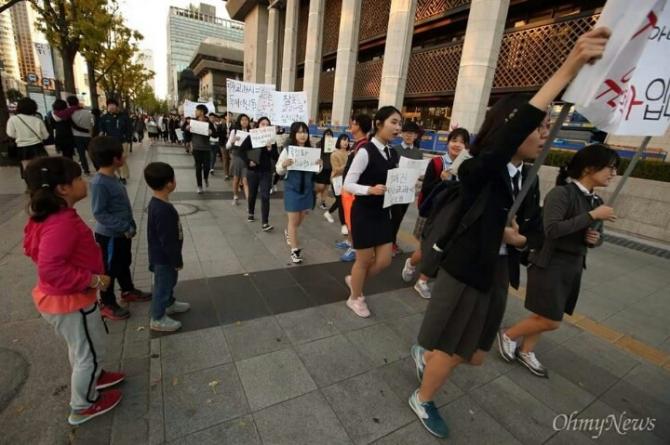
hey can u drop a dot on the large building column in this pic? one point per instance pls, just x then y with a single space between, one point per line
347 56
313 57
272 59
397 52
483 36
288 71
255 43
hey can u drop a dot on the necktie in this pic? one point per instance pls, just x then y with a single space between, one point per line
515 183
387 153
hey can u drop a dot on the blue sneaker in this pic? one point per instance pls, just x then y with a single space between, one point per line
429 416
343 245
416 352
349 256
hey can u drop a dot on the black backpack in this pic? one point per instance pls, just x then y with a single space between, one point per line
446 221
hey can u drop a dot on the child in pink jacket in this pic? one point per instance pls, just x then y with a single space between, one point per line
69 274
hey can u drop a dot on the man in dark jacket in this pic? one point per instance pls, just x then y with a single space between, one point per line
116 124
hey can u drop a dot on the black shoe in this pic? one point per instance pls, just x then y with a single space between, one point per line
267 228
251 218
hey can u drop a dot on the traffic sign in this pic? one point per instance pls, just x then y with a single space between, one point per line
31 77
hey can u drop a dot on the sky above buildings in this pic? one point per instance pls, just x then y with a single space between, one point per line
149 17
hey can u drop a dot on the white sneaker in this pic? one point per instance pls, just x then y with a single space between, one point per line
408 271
165 324
236 200
177 307
506 346
530 361
296 256
328 217
359 307
200 191
344 230
422 288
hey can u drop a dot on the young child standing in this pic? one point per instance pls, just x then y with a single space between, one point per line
115 226
165 238
69 274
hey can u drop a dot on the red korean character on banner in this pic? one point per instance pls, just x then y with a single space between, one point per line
612 86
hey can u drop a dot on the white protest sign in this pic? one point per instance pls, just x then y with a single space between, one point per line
304 158
289 107
329 144
261 137
400 183
189 107
418 165
180 134
634 67
253 99
242 135
199 127
337 185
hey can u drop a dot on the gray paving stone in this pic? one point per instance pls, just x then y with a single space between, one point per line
273 378
412 434
343 318
240 431
332 359
255 337
386 306
557 392
379 343
601 353
305 325
407 328
600 414
401 377
367 407
598 307
468 377
528 419
650 328
570 438
201 399
307 420
191 351
469 423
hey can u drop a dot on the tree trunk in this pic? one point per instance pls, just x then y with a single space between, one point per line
92 85
68 70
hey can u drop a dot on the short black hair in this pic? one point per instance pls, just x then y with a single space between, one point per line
410 126
364 122
462 133
26 106
72 101
104 149
202 108
158 175
59 105
111 101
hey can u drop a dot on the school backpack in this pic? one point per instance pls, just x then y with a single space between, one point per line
446 221
437 164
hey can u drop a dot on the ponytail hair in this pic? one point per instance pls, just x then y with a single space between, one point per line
43 175
594 157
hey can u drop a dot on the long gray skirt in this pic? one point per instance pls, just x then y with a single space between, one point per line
553 290
461 319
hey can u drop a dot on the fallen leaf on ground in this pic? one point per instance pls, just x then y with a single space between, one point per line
213 384
140 328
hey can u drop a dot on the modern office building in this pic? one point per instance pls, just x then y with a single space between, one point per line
11 77
22 22
186 29
146 58
214 62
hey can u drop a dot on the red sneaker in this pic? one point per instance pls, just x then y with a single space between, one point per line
106 402
108 379
135 295
114 312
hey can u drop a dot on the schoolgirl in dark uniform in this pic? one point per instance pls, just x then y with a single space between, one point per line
240 161
555 273
469 297
371 224
259 176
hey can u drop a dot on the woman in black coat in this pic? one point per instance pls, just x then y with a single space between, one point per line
468 301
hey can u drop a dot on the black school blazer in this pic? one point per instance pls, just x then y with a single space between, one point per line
473 255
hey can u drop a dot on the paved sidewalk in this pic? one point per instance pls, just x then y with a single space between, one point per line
269 353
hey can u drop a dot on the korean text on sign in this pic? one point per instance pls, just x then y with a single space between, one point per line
261 137
304 158
400 188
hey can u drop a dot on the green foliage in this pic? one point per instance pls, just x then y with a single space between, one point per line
146 100
645 169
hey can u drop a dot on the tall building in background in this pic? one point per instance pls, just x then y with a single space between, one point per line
22 21
11 76
186 29
146 57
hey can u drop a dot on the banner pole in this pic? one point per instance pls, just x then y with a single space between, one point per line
629 170
532 174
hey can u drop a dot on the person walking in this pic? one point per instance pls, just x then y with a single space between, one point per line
116 125
28 131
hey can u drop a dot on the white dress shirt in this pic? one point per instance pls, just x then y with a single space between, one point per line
358 166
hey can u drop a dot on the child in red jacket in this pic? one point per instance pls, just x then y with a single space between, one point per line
69 274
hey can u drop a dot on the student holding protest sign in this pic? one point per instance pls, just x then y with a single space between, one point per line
371 225
298 188
438 170
201 129
322 180
468 302
406 149
338 160
239 148
554 279
259 175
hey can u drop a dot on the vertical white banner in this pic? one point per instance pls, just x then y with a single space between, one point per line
46 62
